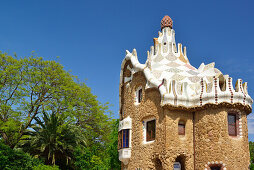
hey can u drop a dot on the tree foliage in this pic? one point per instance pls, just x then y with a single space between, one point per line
112 150
48 113
13 159
92 158
45 167
53 139
32 86
85 158
251 147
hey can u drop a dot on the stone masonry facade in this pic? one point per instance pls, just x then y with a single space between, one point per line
206 143
212 142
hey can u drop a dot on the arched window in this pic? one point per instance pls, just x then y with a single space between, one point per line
215 167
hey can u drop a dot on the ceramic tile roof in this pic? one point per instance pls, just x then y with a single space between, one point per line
180 83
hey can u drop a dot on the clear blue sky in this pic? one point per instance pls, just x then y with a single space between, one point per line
91 36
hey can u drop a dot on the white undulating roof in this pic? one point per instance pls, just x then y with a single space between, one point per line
181 84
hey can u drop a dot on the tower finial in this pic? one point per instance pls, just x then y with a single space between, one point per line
166 22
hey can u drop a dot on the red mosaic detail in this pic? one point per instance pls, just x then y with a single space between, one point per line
202 89
229 86
166 22
215 90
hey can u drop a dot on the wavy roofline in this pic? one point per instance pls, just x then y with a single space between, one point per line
230 95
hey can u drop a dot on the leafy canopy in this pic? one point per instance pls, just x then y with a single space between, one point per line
32 86
49 113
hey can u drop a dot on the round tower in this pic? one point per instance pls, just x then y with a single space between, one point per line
173 115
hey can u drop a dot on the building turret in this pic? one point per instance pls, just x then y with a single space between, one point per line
179 114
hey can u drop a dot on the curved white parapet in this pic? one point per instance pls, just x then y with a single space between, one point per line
124 155
125 124
180 84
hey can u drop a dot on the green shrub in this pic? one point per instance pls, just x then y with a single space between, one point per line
45 167
11 159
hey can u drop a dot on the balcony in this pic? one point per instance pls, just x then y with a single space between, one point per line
124 137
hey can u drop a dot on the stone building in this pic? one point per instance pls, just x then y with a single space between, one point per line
173 115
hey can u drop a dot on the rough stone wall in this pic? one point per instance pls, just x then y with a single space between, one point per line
143 155
212 142
214 145
124 90
158 154
178 145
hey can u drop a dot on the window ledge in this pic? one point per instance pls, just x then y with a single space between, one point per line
182 137
235 137
149 142
129 148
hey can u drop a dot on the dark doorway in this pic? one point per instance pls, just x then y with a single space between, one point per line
181 160
158 164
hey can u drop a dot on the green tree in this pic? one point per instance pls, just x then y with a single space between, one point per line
87 159
114 162
11 73
251 147
31 86
53 139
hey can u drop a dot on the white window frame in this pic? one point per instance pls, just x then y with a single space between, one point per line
144 130
137 96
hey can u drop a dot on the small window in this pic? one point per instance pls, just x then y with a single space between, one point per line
215 167
181 128
150 130
232 124
123 137
139 95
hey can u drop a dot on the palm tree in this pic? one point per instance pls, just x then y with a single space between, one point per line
53 139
